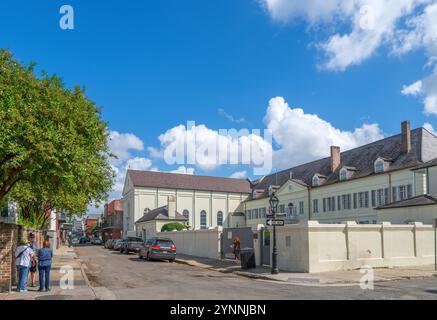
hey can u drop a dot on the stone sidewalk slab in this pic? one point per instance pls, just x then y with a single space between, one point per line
334 278
64 258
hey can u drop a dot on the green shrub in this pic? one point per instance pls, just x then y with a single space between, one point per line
173 226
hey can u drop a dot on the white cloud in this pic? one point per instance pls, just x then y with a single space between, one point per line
239 175
400 25
427 90
303 137
121 145
208 149
428 126
230 117
372 23
183 170
413 89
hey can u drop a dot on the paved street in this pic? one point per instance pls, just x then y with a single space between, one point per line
118 276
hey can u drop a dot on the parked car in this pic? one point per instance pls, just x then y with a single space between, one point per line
96 241
117 244
131 244
109 243
84 240
158 248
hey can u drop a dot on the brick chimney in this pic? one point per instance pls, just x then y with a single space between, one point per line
171 207
406 137
335 158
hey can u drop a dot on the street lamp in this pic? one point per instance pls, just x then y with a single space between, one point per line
274 201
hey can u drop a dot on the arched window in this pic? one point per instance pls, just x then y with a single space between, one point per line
343 174
186 214
220 218
379 165
316 181
203 219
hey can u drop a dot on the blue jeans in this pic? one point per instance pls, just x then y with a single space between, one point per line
44 272
23 273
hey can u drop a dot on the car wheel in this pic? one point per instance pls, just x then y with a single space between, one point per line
171 260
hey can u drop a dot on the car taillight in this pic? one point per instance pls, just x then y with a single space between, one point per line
156 247
173 248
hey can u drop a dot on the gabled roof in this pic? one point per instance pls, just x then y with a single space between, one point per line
190 182
160 214
423 149
422 200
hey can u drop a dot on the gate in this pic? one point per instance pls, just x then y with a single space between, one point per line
228 236
265 246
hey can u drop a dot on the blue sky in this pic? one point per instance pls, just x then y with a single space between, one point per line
153 65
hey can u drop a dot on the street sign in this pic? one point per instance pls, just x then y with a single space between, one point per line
278 223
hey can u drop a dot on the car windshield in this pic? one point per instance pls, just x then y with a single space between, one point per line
164 243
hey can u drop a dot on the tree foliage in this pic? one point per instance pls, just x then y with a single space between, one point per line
53 142
173 226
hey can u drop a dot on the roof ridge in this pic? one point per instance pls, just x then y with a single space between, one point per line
186 175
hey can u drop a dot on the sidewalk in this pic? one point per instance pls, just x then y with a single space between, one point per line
63 258
333 278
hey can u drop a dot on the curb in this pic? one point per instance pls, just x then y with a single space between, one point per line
87 281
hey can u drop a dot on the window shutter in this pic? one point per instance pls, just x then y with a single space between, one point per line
355 201
409 191
394 194
324 204
373 198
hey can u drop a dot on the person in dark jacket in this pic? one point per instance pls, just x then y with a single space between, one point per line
45 256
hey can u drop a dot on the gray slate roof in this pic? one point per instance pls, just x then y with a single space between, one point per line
185 181
429 164
424 148
160 214
422 200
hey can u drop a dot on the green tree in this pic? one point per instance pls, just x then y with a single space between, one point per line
173 226
53 142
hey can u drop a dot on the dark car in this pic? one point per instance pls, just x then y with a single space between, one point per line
131 244
84 240
158 248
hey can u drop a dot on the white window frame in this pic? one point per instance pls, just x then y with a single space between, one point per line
377 165
343 174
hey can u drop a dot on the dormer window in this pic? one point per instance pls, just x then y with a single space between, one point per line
380 165
343 174
346 173
316 181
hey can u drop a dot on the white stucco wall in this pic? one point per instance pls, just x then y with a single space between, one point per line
315 247
196 243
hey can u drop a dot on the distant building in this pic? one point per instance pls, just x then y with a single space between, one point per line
153 221
206 202
91 221
112 227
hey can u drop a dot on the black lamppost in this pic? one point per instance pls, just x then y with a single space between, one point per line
274 201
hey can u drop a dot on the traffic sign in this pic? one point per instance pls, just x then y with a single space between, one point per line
278 223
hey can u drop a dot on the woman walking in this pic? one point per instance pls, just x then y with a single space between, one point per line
23 259
237 247
45 256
